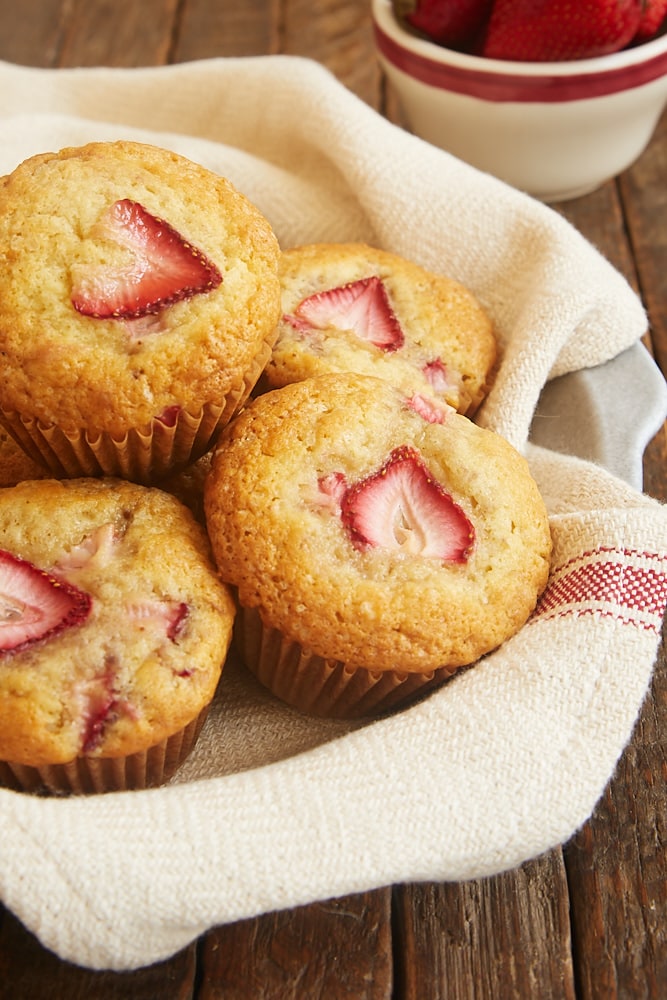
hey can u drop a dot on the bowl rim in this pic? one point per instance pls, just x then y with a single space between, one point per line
505 80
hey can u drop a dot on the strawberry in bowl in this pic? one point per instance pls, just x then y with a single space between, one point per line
531 31
457 24
535 30
551 97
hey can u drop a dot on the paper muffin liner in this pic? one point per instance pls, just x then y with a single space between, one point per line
86 775
144 454
320 686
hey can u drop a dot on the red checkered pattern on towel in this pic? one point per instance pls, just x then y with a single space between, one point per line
624 584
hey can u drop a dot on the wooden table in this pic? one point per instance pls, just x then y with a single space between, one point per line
587 920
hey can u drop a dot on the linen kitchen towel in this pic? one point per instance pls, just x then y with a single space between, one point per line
275 809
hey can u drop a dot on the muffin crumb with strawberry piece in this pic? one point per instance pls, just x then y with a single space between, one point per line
353 307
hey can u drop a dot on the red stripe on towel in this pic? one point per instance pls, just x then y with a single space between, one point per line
626 585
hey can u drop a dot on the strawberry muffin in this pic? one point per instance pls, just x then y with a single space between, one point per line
375 546
352 307
113 632
139 296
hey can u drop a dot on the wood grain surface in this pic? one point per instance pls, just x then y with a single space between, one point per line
588 920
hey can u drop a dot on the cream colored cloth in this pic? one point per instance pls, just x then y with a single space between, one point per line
274 809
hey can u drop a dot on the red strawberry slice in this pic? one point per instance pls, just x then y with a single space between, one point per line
555 30
432 410
362 307
653 14
179 612
101 709
401 507
164 267
101 705
35 605
167 615
454 23
436 374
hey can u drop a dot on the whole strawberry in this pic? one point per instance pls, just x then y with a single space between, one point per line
654 12
560 30
453 23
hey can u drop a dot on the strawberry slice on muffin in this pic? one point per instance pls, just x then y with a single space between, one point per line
164 268
360 306
35 605
402 507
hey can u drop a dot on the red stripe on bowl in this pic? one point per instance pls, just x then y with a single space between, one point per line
545 88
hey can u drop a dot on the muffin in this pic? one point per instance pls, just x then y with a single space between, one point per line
114 631
374 547
352 307
139 296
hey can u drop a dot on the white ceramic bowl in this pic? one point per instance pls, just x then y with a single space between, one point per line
555 130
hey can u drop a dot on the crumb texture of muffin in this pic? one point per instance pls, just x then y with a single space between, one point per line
372 533
137 289
353 307
115 628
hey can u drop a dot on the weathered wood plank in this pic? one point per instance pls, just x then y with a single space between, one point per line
655 466
119 33
30 972
326 951
208 30
31 31
506 936
338 34
599 217
643 191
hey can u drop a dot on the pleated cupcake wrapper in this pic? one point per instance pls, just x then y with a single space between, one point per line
319 686
144 454
84 775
